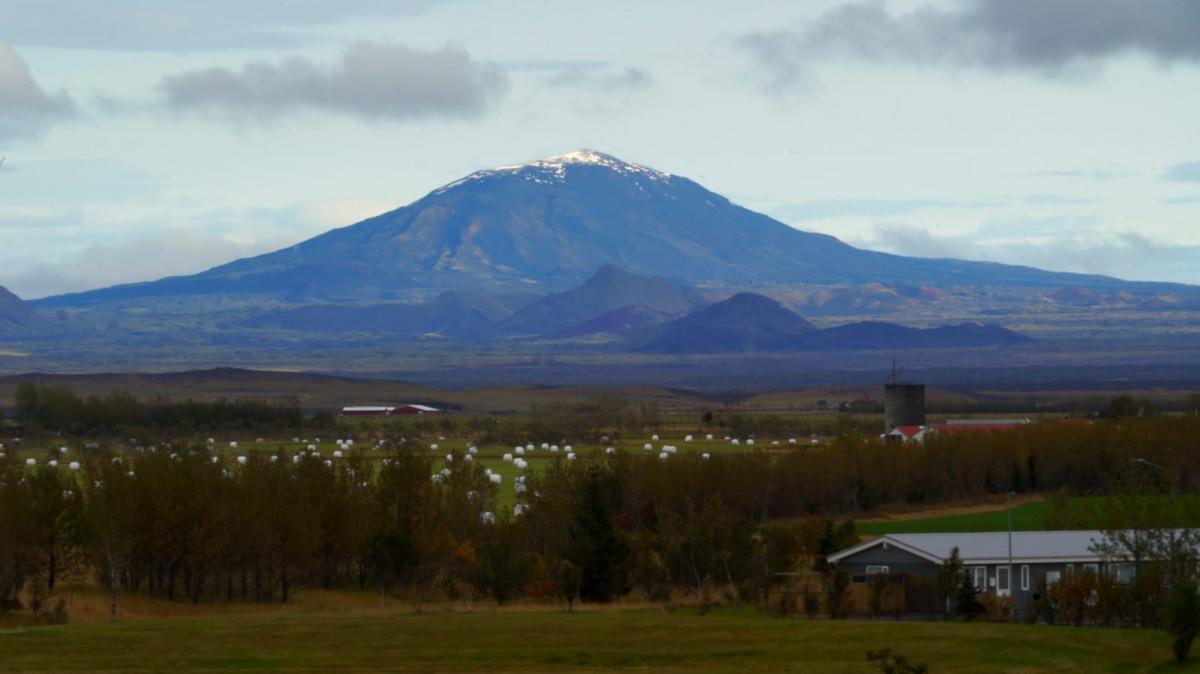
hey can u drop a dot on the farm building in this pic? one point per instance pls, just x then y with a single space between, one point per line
914 433
1035 560
415 409
368 411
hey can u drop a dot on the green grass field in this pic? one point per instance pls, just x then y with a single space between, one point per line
1025 517
551 641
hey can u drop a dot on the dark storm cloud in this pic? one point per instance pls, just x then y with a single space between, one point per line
371 81
1046 36
182 26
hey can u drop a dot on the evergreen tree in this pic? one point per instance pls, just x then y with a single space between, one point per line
596 546
967 605
1183 619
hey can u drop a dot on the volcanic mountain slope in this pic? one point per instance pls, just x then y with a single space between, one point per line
744 322
550 223
748 322
609 289
627 320
448 315
16 314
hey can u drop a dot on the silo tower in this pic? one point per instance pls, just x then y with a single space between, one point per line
903 404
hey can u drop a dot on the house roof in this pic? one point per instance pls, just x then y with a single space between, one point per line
991 547
907 431
423 408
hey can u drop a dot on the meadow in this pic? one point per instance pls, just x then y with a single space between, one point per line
546 640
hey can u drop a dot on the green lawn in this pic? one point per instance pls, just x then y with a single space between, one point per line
1025 517
550 641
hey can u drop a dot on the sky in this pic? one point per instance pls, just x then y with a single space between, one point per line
146 138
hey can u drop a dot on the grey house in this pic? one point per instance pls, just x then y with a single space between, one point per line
1038 559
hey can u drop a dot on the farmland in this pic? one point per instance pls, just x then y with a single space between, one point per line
542 640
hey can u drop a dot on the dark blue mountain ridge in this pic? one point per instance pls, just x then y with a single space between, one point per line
748 322
15 314
549 224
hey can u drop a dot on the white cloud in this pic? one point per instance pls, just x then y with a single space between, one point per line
26 110
1127 255
185 26
372 81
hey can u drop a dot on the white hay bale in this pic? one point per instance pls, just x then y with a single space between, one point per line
750 441
654 437
609 451
445 472
687 438
735 441
554 448
487 518
570 457
53 463
449 458
328 463
708 437
529 447
518 510
472 450
706 456
241 460
568 448
791 441
337 454
233 444
663 456
274 459
507 458
468 458
30 462
647 446
495 478
545 445
216 459
433 446
519 451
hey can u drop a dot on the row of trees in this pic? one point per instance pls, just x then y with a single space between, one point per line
59 409
190 525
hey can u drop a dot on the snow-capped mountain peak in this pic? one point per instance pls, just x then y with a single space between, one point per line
555 168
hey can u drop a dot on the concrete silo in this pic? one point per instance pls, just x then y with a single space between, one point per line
903 405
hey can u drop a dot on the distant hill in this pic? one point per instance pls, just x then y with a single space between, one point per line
609 289
617 323
548 224
879 335
744 322
748 322
16 314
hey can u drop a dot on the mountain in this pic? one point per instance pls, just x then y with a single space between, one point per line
878 335
547 225
744 322
750 322
448 315
16 314
609 289
617 323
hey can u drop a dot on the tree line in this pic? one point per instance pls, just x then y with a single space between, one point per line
186 524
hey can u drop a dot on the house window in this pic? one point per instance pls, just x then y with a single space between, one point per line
1052 578
979 577
1122 572
1002 584
1093 568
1070 569
1024 576
876 570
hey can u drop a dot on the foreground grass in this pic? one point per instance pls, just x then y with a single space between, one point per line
546 641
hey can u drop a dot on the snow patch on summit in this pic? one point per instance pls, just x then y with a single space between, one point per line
554 169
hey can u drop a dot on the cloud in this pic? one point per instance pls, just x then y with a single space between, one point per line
1128 255
1050 37
1187 172
169 253
372 81
185 26
601 80
26 110
192 242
